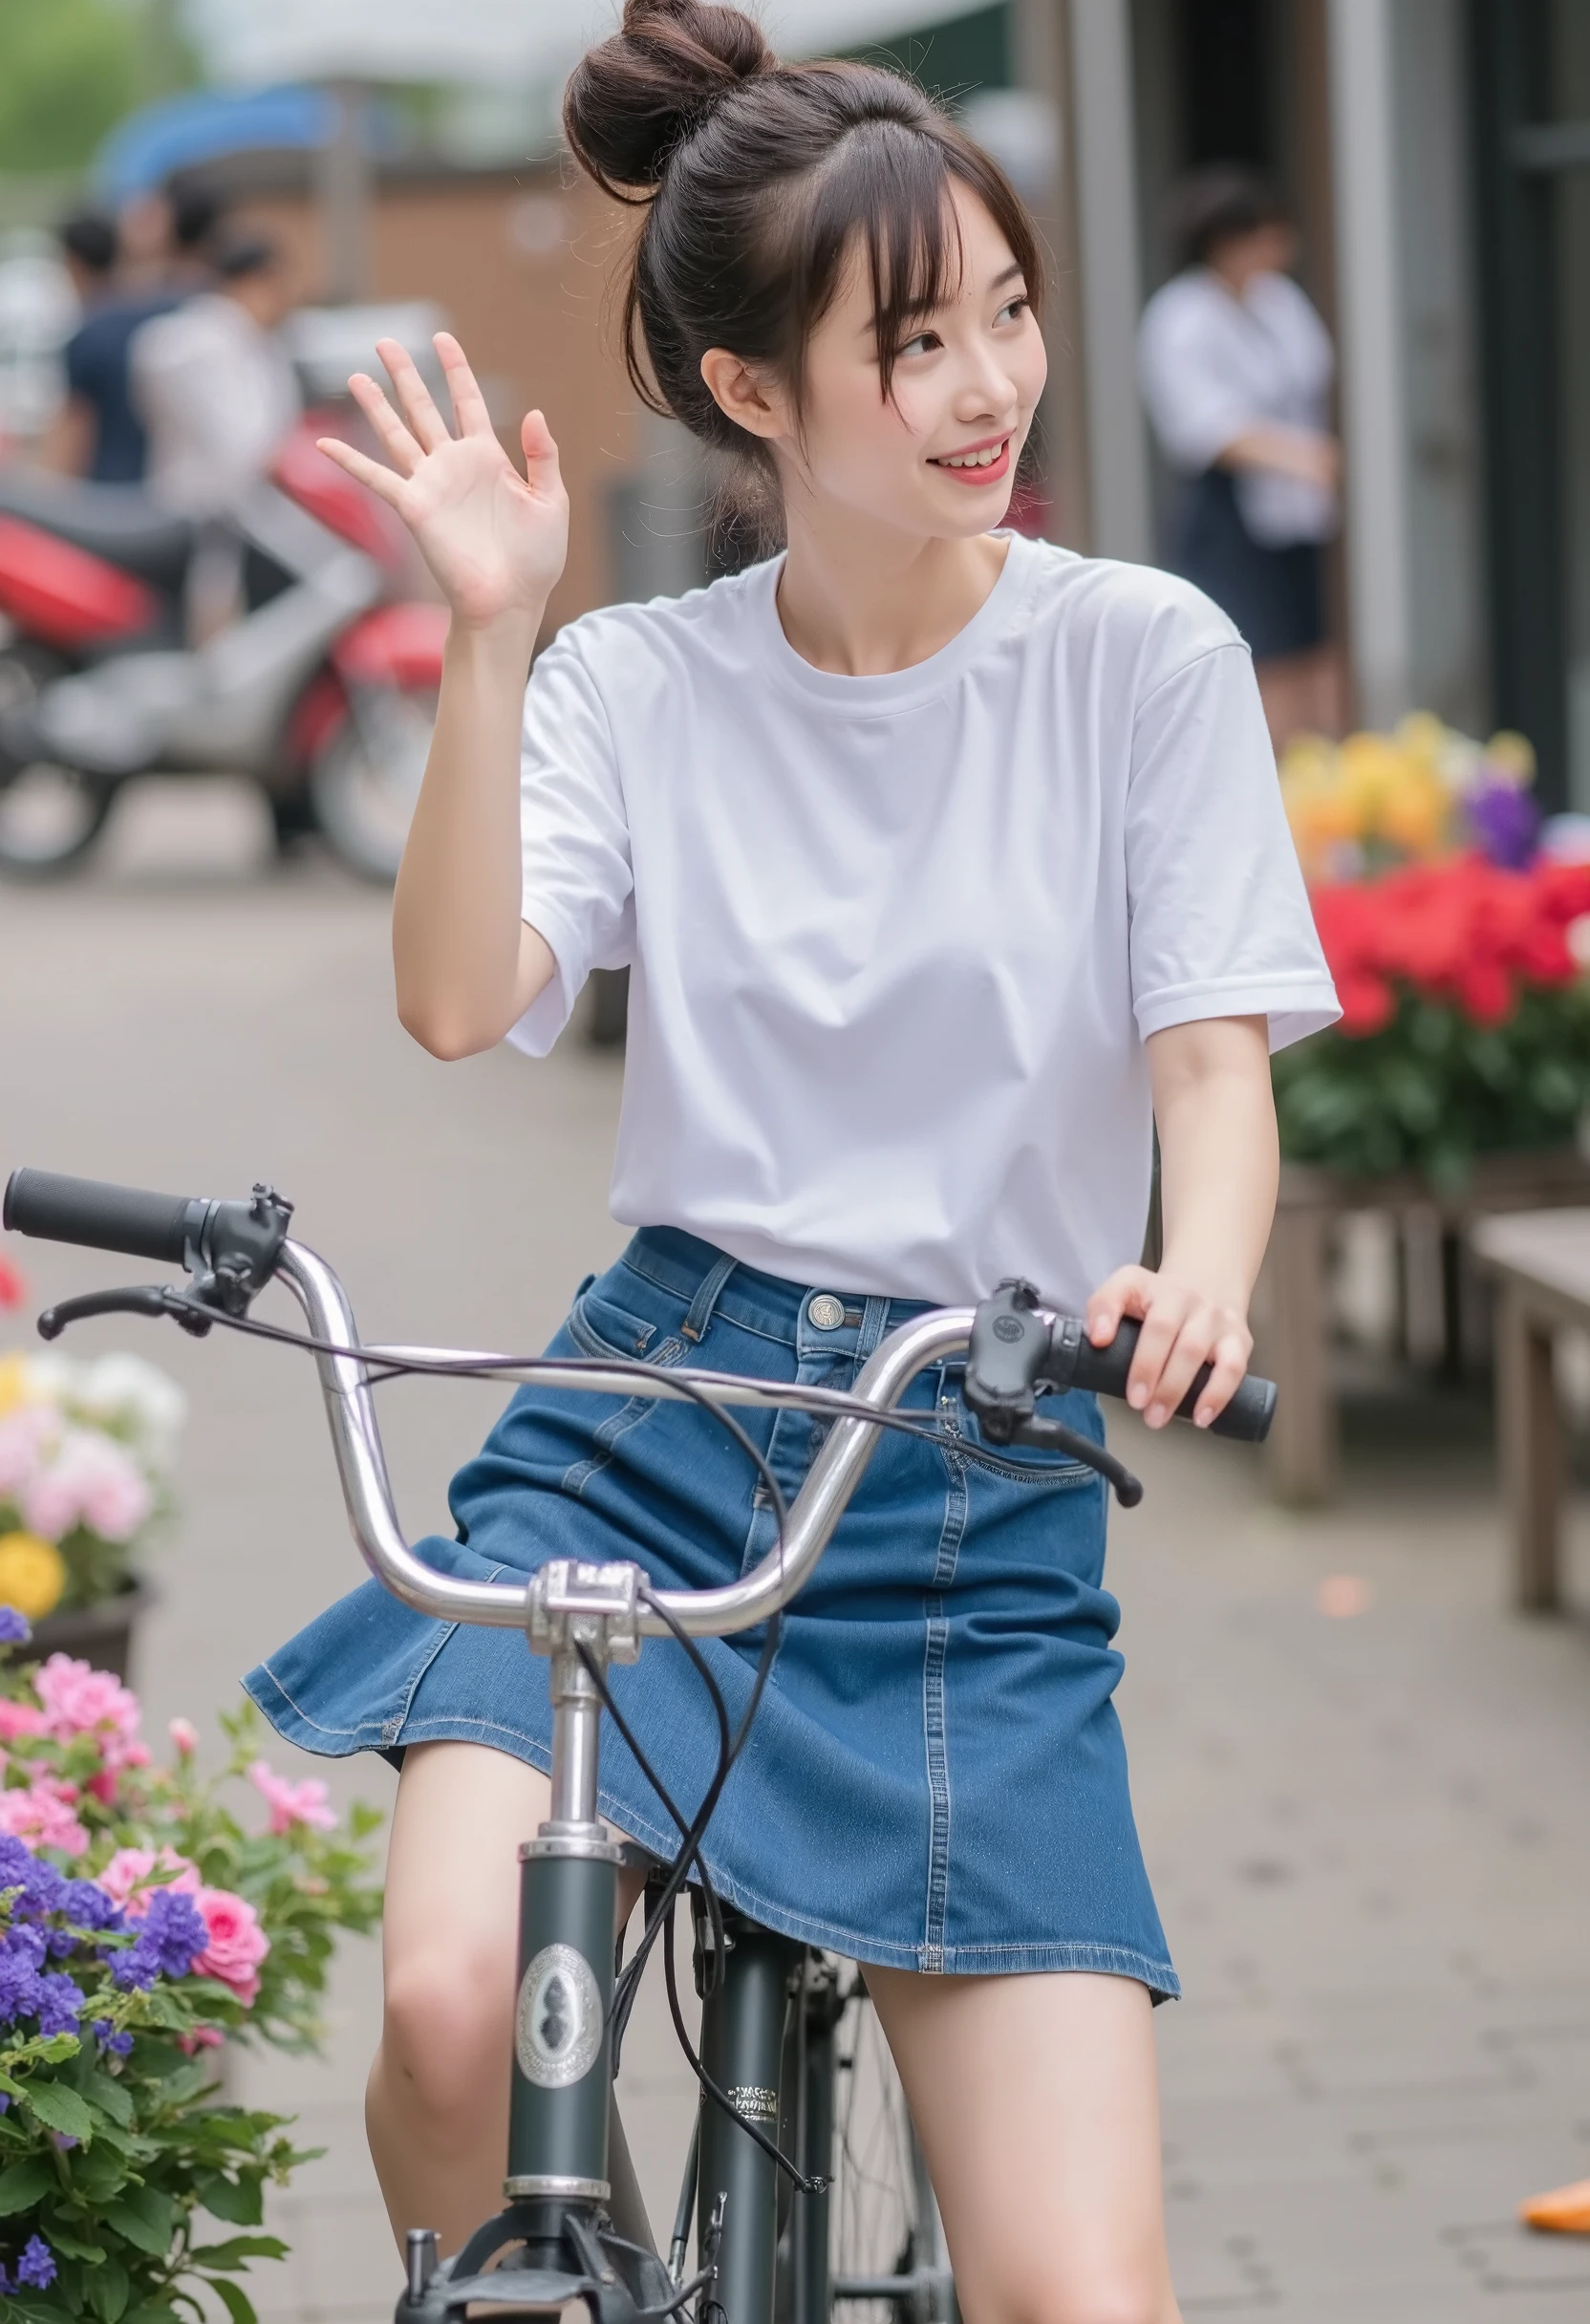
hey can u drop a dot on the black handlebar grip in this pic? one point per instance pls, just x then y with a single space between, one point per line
1103 1370
56 1209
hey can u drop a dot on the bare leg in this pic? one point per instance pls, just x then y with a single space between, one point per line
437 2106
1037 2102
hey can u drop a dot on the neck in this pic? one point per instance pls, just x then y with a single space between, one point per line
861 600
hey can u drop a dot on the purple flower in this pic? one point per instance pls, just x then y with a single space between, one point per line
172 1933
90 1907
1506 824
38 2265
15 1629
16 1862
60 2005
108 2039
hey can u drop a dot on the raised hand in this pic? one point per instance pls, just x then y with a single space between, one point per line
495 540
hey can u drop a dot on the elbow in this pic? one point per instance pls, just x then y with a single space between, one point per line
441 1035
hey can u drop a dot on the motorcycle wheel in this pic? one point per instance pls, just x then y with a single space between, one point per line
50 815
364 782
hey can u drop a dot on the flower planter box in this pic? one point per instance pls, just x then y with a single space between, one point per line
101 1634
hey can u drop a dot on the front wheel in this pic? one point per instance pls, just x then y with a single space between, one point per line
50 815
365 779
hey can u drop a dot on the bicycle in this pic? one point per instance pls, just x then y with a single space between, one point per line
776 2014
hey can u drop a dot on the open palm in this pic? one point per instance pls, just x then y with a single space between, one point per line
494 539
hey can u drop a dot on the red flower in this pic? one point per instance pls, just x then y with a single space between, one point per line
13 1289
1368 1002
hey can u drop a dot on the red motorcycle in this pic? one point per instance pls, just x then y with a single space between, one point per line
322 687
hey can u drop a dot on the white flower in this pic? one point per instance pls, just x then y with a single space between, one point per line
126 1391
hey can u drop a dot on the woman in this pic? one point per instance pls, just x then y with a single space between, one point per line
931 851
1237 370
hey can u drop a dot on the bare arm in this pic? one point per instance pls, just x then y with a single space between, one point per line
1218 1172
1291 451
468 963
67 446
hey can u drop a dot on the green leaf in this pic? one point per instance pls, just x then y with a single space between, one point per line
145 2217
233 2298
24 2183
110 2098
107 2291
63 2240
240 2201
238 2251
60 2109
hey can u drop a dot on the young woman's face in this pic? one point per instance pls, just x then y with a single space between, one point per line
937 457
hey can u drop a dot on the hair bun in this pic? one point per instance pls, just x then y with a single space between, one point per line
632 100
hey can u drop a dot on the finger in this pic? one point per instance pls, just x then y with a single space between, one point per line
362 468
414 397
1161 1327
468 404
1126 1292
395 439
1231 1367
541 453
1191 1351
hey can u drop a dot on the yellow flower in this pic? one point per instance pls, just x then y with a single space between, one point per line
1511 756
1414 814
32 1575
13 1382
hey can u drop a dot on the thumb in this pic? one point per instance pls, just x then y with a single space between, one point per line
541 453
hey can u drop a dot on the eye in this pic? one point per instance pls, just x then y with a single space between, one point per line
1012 307
924 343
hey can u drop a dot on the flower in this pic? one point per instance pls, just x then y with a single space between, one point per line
131 1871
32 1575
88 1480
307 1802
38 2265
170 1943
13 1288
19 1720
15 1629
42 1816
105 2034
185 1736
236 1943
79 1700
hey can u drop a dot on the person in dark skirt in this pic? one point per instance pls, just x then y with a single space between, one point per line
1236 371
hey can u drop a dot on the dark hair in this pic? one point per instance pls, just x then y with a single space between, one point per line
759 180
90 238
1217 205
195 215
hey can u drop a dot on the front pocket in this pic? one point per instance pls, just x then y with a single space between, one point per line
600 1328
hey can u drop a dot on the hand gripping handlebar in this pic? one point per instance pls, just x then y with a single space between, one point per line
234 1248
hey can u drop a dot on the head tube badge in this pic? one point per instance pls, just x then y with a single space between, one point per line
558 2023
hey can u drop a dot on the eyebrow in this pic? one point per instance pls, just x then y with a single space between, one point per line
1015 272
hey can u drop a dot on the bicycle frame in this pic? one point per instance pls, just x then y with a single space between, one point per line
557 2180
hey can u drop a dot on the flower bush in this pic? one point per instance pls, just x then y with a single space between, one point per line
1465 1019
1422 791
144 1920
85 1458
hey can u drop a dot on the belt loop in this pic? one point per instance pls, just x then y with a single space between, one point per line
702 1305
874 1322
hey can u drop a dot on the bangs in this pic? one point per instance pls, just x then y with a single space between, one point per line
883 200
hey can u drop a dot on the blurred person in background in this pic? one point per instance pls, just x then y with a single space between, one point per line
213 383
97 434
1236 371
164 235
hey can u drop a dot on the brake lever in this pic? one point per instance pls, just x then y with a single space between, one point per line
125 1299
1053 1436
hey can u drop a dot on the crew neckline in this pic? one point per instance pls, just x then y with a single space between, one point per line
921 682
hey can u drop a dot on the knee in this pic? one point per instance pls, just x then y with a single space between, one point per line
446 2025
1111 2291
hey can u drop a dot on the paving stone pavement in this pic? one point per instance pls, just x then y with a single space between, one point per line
1370 1835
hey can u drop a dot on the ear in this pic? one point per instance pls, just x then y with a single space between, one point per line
741 396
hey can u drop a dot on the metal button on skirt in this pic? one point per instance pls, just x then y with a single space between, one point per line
935 1778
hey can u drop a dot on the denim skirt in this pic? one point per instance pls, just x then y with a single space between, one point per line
935 1778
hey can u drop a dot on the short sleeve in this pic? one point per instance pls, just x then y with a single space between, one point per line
1195 395
577 881
1220 918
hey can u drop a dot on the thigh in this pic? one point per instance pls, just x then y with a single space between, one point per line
452 1876
1037 2102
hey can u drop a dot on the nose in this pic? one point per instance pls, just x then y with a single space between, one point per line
986 391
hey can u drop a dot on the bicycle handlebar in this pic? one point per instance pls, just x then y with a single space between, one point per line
245 1244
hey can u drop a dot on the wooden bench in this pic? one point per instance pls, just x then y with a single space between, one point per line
1541 1262
1292 1309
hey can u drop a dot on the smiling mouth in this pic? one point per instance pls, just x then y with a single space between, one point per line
987 456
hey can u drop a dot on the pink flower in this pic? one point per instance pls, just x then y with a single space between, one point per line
77 1700
184 1736
19 1720
42 1817
127 1877
202 2038
23 1434
91 1480
237 1944
291 1803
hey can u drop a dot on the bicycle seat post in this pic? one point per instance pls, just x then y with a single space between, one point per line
568 1886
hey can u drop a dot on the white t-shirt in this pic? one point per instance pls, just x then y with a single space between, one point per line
1212 365
216 395
896 943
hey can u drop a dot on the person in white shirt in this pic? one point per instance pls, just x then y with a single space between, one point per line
214 385
1237 370
944 861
